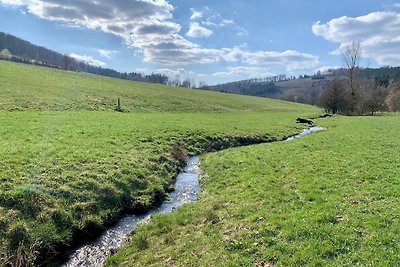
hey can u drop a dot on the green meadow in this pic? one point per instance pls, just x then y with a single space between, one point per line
31 88
69 163
328 199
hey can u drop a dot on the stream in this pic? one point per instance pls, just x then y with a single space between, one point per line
94 254
187 186
305 132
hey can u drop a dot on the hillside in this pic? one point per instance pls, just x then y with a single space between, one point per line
306 89
52 89
16 49
69 163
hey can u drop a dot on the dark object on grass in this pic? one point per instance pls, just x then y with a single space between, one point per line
301 120
118 107
325 116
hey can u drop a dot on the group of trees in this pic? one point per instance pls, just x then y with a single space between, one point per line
366 97
357 93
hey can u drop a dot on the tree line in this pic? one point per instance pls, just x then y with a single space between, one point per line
25 52
357 91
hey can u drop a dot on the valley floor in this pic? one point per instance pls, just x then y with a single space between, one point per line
70 164
65 174
328 199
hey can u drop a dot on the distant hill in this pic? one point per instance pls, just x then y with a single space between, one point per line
25 50
19 50
305 89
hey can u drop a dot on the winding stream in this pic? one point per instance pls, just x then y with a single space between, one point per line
95 253
305 132
186 189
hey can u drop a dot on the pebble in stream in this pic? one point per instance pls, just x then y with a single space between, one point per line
94 254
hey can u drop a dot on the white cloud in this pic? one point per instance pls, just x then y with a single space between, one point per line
106 53
226 22
217 21
146 26
378 32
326 69
291 59
209 23
173 73
196 14
180 73
244 71
198 31
241 31
13 2
143 24
89 60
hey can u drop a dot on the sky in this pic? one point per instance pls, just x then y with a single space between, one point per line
210 40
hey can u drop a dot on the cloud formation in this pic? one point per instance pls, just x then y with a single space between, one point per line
196 14
106 53
198 31
88 59
291 59
147 27
173 73
245 71
378 32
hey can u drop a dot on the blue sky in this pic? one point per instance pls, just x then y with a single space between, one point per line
210 40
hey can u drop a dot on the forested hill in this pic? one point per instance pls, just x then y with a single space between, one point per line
24 49
305 89
16 49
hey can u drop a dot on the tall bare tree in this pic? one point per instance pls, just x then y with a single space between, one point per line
351 58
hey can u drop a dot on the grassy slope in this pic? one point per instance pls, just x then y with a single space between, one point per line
71 168
328 199
25 87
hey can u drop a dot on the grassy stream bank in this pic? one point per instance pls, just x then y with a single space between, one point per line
328 199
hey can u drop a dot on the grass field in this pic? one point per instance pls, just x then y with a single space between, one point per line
26 87
328 199
69 162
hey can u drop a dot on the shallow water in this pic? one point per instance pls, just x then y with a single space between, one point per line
186 189
95 253
305 132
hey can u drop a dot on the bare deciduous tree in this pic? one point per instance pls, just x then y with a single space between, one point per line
202 84
393 98
69 62
351 58
334 97
186 83
374 100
